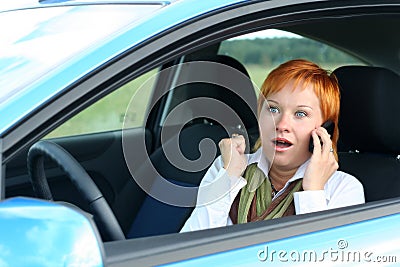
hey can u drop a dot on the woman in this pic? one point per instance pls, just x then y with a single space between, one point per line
282 177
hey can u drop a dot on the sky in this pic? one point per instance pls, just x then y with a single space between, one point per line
270 33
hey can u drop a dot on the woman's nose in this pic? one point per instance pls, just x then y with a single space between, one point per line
282 123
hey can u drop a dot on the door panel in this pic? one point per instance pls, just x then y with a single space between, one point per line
364 230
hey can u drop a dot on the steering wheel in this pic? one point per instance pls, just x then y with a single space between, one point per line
102 213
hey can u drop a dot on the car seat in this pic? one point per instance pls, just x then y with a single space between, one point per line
157 217
369 129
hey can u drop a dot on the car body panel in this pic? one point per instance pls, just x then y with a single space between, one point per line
220 242
348 244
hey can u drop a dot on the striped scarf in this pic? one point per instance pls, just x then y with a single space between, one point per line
255 203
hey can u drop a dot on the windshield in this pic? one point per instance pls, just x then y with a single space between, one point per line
35 41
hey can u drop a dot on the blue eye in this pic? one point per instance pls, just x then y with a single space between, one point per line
301 114
273 109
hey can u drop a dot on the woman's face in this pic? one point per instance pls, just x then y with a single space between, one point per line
286 122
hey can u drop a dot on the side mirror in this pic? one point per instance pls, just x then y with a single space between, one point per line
35 232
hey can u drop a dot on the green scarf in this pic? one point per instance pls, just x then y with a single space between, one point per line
256 204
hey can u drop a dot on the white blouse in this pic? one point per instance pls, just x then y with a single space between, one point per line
218 190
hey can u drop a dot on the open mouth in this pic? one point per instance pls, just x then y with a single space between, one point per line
282 143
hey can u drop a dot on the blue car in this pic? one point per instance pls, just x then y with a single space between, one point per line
111 113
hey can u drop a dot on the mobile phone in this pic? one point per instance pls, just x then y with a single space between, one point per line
330 127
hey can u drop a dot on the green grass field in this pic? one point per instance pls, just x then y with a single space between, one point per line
108 113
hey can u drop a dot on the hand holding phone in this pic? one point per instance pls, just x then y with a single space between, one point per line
322 163
330 127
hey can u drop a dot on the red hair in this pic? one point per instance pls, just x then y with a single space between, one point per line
303 72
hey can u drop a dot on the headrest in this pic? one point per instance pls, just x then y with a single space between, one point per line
369 109
228 82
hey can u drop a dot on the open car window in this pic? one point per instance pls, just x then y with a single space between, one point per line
172 107
263 51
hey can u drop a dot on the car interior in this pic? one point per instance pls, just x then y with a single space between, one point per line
368 130
368 144
241 97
